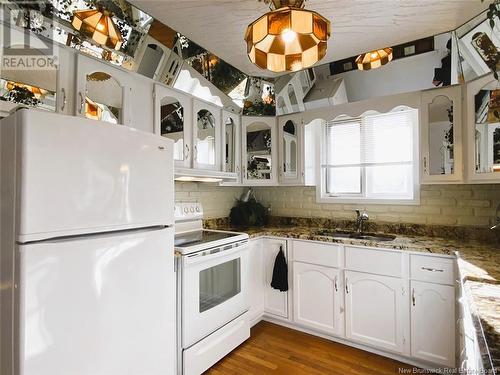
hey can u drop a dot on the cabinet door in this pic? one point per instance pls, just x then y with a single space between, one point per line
206 136
483 130
317 297
259 150
375 310
231 141
112 94
275 302
433 322
66 80
257 285
290 136
441 135
172 119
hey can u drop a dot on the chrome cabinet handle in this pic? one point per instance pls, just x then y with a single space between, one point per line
413 296
346 286
64 99
195 156
335 284
186 152
425 164
82 103
432 269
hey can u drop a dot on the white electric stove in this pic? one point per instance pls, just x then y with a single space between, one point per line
213 281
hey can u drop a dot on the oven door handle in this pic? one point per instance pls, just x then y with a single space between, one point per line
216 253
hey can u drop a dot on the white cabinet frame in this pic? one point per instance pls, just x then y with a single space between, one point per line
161 91
236 143
454 94
199 105
247 121
473 87
86 66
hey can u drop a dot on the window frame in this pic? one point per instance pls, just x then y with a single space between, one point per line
322 196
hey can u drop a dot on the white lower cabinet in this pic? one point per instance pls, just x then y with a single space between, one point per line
389 300
257 285
374 310
433 322
318 298
275 302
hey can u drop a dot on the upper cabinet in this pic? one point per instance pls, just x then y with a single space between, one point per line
259 150
298 149
173 119
483 130
193 125
231 141
289 149
441 135
112 94
206 136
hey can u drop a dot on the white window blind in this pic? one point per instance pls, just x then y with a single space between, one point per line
371 156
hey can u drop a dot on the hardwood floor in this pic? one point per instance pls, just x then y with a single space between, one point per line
273 349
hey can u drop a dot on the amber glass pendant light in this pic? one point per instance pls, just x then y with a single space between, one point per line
374 59
37 92
288 38
98 25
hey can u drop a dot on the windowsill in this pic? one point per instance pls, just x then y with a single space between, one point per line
361 200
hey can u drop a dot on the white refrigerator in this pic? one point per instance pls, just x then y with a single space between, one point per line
87 260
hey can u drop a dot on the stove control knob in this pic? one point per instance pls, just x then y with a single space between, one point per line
191 209
186 210
198 209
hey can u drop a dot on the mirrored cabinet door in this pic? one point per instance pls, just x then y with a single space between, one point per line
290 143
173 120
206 136
441 135
231 154
259 150
102 93
483 129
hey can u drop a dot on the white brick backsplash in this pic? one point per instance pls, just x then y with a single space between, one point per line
439 205
472 205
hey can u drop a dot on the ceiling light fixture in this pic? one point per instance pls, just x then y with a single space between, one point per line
374 59
98 25
288 38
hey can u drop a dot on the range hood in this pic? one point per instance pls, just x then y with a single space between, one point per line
203 175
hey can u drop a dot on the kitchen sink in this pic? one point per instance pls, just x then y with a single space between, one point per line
355 235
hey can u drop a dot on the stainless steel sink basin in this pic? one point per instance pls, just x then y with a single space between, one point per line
360 236
374 237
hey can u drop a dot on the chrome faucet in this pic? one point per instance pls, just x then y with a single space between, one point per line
361 219
497 218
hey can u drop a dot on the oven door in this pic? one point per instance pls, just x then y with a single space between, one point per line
214 290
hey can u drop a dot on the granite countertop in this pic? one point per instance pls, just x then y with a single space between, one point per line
478 263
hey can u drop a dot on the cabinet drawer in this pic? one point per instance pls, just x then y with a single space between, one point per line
432 269
376 261
323 254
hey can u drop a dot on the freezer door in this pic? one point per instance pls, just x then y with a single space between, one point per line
103 305
83 176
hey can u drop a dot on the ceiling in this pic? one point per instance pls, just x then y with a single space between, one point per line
357 26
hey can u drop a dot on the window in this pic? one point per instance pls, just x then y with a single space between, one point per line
371 158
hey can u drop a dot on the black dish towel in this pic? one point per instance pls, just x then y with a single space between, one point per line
280 272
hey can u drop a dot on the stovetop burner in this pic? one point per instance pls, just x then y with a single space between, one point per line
200 237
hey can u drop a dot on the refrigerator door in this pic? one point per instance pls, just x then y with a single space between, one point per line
82 176
99 305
